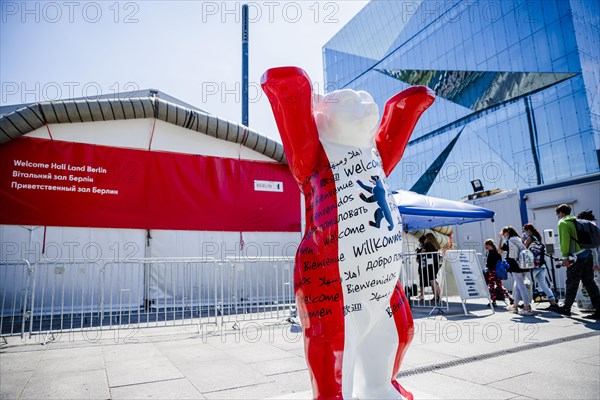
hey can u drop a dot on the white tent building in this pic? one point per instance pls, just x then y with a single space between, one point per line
134 176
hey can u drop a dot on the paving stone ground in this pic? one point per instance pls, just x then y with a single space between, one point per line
483 355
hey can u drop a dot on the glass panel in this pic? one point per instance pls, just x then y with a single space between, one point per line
575 151
540 118
542 50
570 124
550 11
555 40
546 161
589 155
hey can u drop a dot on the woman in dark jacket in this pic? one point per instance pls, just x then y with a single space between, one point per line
494 283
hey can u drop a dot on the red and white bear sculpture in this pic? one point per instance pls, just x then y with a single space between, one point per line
356 320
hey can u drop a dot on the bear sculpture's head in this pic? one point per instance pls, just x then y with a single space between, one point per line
346 117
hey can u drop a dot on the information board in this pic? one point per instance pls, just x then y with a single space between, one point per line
468 274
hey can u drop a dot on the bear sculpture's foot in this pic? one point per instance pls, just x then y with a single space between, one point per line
388 391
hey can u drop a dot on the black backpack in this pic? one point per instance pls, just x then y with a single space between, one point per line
538 250
588 234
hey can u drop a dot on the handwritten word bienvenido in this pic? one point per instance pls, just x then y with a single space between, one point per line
353 288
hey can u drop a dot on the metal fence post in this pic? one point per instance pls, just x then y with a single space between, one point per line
31 276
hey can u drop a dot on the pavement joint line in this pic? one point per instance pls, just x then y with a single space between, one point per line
237 387
177 368
288 372
486 356
29 379
581 361
489 383
106 373
277 358
507 378
146 383
520 397
46 372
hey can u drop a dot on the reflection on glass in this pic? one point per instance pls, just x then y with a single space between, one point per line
478 89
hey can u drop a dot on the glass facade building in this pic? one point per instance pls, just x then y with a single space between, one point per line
517 86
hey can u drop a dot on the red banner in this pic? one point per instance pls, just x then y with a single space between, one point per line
58 183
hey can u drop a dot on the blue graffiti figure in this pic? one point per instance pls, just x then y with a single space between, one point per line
379 196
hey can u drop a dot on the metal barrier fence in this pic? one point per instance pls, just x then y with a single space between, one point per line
423 276
253 297
16 278
66 295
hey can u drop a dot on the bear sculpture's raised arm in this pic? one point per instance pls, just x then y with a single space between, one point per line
400 115
289 91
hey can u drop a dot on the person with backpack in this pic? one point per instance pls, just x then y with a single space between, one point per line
492 258
589 216
577 259
510 242
532 240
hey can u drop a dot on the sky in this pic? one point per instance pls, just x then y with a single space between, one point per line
190 50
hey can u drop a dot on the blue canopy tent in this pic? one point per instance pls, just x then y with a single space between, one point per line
422 212
425 212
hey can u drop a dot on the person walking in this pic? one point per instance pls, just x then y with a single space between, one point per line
497 291
533 241
578 261
510 242
589 216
